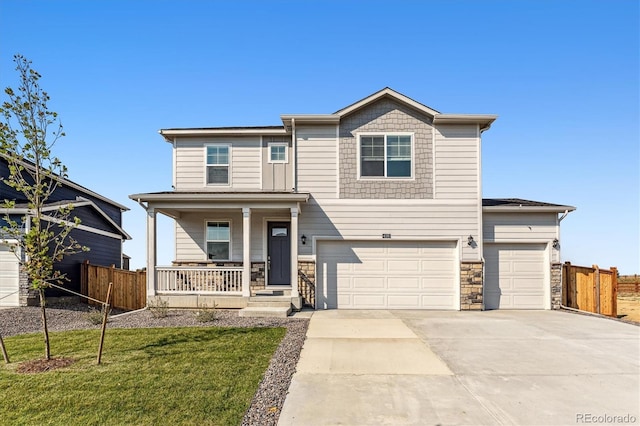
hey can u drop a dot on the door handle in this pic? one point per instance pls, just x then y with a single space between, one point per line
268 263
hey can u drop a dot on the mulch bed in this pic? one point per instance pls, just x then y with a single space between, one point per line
42 365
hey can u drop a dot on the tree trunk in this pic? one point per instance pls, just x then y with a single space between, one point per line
4 351
45 328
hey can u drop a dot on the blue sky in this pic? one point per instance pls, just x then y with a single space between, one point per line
563 76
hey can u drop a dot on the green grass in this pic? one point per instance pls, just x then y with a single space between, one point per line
147 377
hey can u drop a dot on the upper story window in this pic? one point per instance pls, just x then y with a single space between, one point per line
218 240
218 164
386 156
278 153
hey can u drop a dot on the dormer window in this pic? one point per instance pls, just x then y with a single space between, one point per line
386 155
218 164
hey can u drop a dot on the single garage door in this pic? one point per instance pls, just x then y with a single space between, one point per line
387 275
515 276
9 281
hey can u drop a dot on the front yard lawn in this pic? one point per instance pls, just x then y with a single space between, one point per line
147 376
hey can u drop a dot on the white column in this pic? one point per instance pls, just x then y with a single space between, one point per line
294 252
246 252
151 252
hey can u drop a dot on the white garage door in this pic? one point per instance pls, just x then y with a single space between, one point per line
387 275
515 276
8 277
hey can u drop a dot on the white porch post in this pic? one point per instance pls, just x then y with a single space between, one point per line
246 252
151 252
294 252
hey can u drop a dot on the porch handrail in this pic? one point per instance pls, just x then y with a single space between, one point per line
191 279
307 289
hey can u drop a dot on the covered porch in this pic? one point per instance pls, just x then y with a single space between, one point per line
229 247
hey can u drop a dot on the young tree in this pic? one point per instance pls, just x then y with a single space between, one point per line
28 132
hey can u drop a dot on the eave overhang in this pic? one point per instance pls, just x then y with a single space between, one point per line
483 120
294 197
528 209
288 119
170 134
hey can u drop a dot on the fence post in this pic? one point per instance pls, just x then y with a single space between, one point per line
84 280
596 284
614 291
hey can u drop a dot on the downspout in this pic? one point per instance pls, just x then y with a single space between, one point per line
294 163
566 212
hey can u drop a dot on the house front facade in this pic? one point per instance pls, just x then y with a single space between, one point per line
376 206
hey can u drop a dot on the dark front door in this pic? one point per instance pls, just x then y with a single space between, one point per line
279 253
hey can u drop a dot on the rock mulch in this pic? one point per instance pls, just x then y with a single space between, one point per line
269 398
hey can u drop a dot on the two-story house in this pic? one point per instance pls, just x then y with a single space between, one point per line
100 230
378 205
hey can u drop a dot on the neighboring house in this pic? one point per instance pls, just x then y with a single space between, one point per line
378 204
100 230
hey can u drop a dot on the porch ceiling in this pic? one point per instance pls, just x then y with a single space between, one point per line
172 203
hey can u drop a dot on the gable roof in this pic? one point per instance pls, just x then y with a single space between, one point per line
23 208
70 184
520 205
387 92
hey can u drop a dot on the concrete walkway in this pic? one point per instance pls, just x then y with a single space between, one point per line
464 368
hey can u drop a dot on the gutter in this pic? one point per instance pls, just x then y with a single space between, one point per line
294 163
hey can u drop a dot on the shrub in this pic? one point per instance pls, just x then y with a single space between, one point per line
95 316
206 314
159 308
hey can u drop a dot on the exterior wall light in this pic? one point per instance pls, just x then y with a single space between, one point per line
470 240
556 243
304 239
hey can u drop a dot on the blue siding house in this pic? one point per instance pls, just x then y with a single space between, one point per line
100 230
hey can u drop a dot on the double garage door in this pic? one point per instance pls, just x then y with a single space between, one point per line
387 275
515 276
9 281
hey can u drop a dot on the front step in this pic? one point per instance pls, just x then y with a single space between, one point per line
269 302
265 312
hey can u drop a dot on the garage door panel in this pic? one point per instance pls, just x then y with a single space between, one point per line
388 274
359 283
9 277
403 283
368 300
403 266
408 301
515 276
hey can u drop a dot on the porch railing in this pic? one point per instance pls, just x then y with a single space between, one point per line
185 279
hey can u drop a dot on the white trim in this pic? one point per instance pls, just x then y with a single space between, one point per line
384 178
433 161
387 92
270 145
337 161
169 133
396 202
83 227
174 155
206 254
229 165
262 184
479 244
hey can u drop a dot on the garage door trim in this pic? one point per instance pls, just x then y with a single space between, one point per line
455 249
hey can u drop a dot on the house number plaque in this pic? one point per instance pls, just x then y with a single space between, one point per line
386 235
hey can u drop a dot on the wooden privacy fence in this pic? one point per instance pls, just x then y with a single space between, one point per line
629 284
129 290
590 289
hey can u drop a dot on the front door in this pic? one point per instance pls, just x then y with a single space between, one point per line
279 254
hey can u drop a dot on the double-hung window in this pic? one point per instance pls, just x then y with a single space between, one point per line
218 242
385 156
218 164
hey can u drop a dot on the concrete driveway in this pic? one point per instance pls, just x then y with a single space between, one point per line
465 368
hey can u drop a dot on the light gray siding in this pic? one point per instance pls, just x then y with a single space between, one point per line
521 227
317 160
410 219
190 235
190 157
457 161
